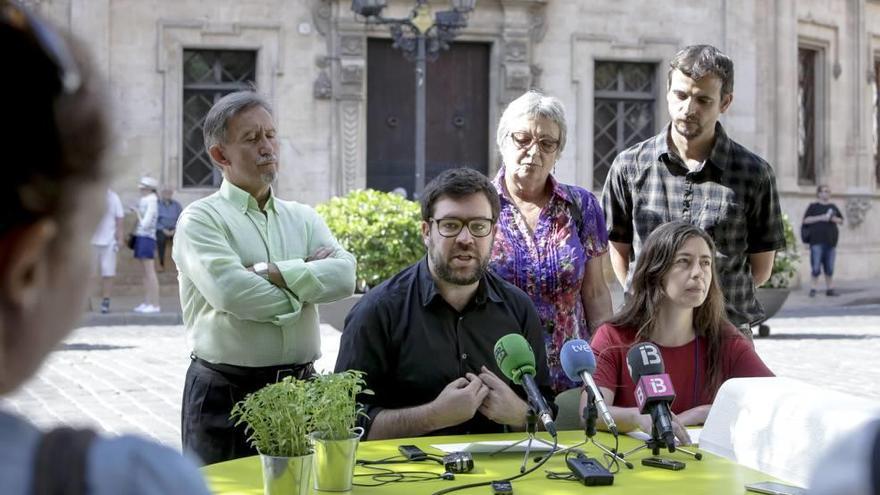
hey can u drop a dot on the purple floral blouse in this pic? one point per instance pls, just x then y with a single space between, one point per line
549 265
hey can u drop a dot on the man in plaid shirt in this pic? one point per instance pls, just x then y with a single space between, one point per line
692 171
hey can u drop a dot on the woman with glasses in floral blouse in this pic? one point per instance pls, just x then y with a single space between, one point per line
551 239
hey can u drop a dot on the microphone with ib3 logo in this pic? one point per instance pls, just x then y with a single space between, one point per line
654 392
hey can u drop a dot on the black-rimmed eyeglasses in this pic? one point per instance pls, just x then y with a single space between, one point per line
524 141
451 227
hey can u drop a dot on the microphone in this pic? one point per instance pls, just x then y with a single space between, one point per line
517 361
579 363
654 390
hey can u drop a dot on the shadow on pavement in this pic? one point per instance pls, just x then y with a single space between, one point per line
92 347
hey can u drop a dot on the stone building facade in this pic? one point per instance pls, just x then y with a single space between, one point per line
805 93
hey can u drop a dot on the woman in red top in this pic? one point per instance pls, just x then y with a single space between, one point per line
676 303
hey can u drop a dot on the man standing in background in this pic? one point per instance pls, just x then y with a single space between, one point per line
105 245
693 172
166 224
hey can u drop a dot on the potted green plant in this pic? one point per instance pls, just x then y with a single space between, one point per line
773 293
278 419
335 436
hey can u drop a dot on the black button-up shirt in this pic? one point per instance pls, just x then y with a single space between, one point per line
732 196
411 343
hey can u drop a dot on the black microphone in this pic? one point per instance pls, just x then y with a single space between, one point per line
654 390
517 361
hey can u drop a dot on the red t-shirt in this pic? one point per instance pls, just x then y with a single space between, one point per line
683 364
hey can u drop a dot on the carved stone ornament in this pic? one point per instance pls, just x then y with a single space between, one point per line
515 51
322 13
352 73
517 77
351 46
323 87
857 210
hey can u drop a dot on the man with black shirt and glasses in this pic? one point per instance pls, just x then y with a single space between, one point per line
425 337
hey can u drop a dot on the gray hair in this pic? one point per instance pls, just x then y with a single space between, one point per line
227 107
533 104
698 61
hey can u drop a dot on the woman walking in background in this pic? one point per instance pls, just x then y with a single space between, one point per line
821 220
145 242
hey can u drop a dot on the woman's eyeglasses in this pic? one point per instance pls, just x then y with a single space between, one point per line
524 141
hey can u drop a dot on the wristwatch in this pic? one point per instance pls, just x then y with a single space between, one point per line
262 269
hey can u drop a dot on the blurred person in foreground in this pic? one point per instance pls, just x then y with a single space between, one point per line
53 196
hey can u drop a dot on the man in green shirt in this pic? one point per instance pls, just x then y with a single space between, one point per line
252 269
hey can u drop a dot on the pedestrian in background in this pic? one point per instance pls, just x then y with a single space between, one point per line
821 220
105 245
145 242
53 194
166 224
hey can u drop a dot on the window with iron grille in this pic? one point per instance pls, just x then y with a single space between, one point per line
623 112
208 75
807 60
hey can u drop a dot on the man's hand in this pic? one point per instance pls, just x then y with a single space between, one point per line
274 275
320 254
501 404
458 402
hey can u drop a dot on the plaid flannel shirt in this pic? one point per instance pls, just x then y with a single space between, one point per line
732 196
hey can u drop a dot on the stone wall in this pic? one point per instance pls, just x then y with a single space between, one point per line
312 66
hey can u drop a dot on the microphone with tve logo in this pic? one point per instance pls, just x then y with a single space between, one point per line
579 363
654 392
517 361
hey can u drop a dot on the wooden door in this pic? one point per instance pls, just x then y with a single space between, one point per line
457 132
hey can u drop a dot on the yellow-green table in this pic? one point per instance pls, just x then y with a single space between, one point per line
712 475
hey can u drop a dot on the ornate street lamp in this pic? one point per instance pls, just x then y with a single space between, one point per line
419 37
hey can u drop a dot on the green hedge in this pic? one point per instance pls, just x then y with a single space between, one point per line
380 229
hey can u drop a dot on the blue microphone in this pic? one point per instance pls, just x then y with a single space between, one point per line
579 363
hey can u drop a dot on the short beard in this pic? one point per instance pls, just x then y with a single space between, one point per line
268 177
446 274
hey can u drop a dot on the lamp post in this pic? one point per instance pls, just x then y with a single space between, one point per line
419 37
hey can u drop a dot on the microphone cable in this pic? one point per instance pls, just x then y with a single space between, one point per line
384 475
488 483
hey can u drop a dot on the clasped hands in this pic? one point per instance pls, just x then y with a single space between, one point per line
463 397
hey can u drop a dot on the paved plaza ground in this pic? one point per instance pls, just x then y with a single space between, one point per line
130 378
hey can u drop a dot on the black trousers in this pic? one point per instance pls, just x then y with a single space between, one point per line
210 392
161 240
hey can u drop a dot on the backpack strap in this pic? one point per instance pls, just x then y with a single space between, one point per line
61 460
